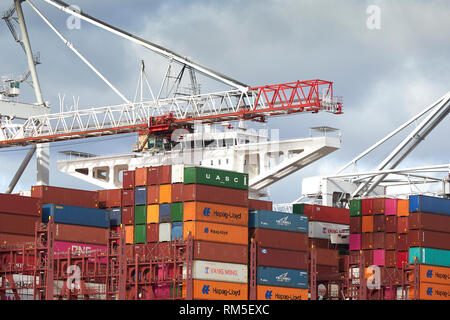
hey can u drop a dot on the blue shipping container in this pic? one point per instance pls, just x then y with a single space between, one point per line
278 221
421 203
115 217
429 256
140 196
76 215
177 231
164 213
281 277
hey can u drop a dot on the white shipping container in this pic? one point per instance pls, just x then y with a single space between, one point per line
339 238
165 232
218 271
177 173
323 230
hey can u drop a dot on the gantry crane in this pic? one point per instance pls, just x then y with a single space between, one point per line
162 115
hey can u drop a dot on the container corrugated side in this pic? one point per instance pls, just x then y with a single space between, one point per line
323 230
10 203
65 196
82 234
421 203
219 271
430 256
278 221
216 290
18 224
222 252
215 232
211 212
280 293
216 177
76 215
281 277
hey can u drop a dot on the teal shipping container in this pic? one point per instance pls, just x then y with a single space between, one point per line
281 277
278 221
430 256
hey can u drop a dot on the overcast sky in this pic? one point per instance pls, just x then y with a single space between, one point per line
384 75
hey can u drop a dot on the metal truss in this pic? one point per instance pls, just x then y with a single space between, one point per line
255 104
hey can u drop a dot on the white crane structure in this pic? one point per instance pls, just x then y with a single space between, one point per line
337 189
177 113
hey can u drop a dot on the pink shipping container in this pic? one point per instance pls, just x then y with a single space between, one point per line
61 248
355 241
379 257
390 207
402 258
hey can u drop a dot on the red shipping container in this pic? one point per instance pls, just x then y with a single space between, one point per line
222 252
128 197
102 196
152 232
378 205
114 198
18 224
368 257
10 203
140 176
177 192
65 196
327 257
366 207
391 224
6 238
402 259
354 257
355 224
279 239
402 242
127 216
367 241
429 239
390 258
327 214
279 258
153 194
378 240
82 234
254 204
390 241
402 225
165 175
128 180
326 272
319 243
379 223
429 221
212 194
153 176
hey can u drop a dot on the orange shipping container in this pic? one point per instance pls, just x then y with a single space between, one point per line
129 234
165 193
203 211
216 290
367 223
215 232
280 293
153 213
153 194
431 291
140 177
402 208
432 274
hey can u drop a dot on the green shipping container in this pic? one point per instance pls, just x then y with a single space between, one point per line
140 214
176 211
429 256
140 233
176 291
298 208
215 177
355 208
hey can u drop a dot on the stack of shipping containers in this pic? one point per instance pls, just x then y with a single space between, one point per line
80 225
215 214
282 254
429 243
328 231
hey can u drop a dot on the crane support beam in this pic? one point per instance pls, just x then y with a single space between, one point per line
255 104
149 45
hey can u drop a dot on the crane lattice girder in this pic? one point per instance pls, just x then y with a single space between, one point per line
255 103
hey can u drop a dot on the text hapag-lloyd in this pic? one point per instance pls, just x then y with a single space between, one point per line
226 178
227 215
